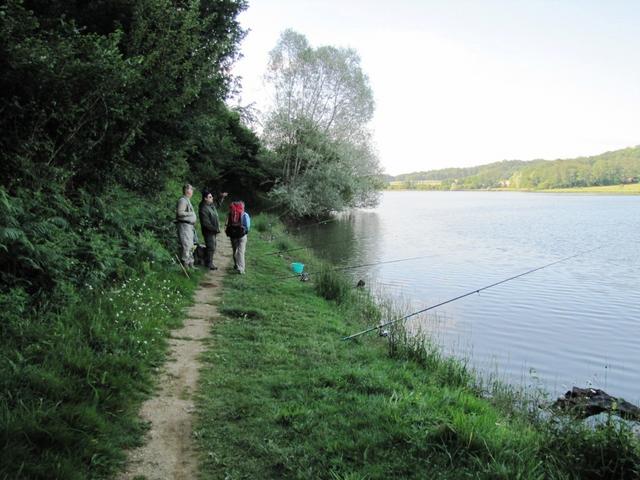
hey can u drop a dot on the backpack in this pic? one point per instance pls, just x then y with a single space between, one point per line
234 228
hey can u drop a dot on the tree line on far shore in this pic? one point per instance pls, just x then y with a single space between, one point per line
610 168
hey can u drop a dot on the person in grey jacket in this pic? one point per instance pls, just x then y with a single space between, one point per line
209 223
185 221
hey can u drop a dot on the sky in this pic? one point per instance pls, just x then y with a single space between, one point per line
460 83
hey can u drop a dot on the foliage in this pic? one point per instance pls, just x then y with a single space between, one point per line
72 381
95 99
89 89
52 246
318 128
610 168
223 154
324 87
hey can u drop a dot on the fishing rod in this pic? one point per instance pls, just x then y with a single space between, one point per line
350 267
337 242
469 293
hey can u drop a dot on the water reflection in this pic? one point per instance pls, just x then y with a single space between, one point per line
573 324
345 241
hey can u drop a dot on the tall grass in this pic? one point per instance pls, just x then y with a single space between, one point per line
72 381
332 285
564 447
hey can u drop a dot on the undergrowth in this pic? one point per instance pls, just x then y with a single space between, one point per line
91 292
72 381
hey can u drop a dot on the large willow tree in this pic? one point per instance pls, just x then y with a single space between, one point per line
317 125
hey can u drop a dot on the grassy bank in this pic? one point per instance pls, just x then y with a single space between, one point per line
72 381
625 189
282 396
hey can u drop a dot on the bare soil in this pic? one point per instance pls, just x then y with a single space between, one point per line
169 451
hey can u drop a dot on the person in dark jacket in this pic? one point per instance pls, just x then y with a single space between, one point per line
210 223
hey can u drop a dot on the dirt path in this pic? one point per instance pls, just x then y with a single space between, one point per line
169 451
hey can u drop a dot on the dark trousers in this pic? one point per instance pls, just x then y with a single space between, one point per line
210 242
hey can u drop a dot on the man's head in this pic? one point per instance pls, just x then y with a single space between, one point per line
207 196
187 190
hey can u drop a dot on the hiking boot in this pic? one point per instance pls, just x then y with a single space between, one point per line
213 267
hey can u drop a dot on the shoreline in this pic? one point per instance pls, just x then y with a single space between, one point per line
626 189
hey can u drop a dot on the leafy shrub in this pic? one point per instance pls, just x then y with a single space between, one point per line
264 223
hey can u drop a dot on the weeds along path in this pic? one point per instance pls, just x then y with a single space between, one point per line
169 451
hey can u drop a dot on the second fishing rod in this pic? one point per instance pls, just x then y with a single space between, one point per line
472 292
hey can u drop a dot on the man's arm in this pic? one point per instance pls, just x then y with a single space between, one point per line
220 199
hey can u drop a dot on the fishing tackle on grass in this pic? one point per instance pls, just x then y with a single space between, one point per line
351 267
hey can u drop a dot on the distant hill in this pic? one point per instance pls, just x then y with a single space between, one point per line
610 168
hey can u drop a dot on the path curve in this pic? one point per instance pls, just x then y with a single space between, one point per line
169 451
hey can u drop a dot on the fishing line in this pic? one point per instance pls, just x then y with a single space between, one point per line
301 227
469 293
306 248
285 251
322 222
350 267
320 247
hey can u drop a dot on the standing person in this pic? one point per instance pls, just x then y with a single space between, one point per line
186 220
238 225
209 223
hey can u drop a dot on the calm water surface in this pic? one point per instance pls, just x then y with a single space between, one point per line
575 323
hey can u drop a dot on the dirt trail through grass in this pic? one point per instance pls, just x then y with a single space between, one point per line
169 451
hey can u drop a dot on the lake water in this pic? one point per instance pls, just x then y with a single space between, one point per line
574 323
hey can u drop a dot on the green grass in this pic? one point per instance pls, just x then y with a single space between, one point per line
283 396
72 381
626 189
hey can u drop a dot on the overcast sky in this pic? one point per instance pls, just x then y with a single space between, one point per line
461 83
